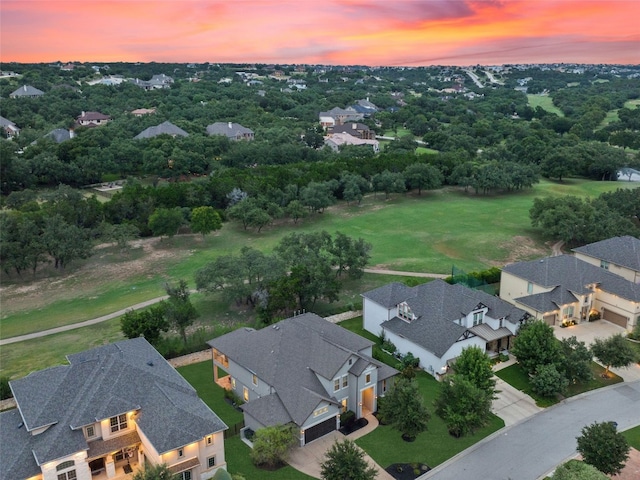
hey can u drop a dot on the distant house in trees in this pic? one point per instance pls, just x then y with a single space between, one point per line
165 128
365 107
435 321
619 255
302 370
337 140
9 128
26 91
92 119
233 131
156 82
359 130
339 116
139 112
60 135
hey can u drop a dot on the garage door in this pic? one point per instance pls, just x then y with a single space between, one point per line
550 319
319 430
614 317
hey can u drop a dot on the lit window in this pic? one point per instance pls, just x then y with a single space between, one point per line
254 379
90 431
343 405
320 411
211 462
118 422
345 381
69 474
367 378
336 385
245 394
233 383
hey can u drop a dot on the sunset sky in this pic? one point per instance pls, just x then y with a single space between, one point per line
366 32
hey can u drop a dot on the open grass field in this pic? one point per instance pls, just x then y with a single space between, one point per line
400 132
612 115
425 233
544 101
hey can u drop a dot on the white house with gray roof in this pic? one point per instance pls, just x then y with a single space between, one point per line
567 289
104 415
435 321
303 370
619 255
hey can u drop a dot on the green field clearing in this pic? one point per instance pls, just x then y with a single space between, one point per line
632 104
545 102
612 115
427 233
425 150
400 132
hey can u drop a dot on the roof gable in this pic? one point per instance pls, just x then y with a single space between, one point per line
623 251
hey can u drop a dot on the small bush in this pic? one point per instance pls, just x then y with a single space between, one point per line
635 334
5 390
594 316
347 418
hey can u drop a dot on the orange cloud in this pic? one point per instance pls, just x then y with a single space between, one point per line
374 32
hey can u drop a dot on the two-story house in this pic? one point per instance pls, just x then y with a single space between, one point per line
103 416
303 370
565 289
339 116
619 255
359 130
435 321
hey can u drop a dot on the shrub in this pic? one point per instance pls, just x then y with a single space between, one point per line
635 334
347 418
594 316
271 445
5 390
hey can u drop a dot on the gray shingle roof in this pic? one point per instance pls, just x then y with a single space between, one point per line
27 91
623 251
229 129
436 306
59 135
574 275
548 301
98 384
4 122
165 128
287 356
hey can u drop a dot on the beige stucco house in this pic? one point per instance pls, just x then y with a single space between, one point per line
104 415
567 289
619 255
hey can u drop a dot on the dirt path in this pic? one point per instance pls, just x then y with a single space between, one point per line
405 274
556 248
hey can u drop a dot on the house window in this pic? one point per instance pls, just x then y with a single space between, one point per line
344 404
336 385
529 288
478 318
405 312
211 462
345 381
384 386
501 323
604 264
254 379
245 394
90 431
320 411
567 311
184 475
210 440
233 383
367 378
118 422
70 473
350 361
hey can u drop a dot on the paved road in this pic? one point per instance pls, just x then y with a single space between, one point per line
532 448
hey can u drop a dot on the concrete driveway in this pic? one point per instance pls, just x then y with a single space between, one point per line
512 405
307 459
588 332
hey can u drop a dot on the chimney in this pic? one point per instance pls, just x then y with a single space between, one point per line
24 87
82 115
354 126
230 125
71 133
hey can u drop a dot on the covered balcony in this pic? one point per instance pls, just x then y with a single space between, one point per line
115 458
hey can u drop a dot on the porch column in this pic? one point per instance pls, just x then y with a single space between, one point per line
110 466
215 373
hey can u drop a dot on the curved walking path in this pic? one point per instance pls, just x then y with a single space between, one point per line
535 446
73 326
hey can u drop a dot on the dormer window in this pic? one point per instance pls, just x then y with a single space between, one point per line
478 318
404 312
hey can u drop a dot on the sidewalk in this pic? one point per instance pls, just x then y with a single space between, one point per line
510 404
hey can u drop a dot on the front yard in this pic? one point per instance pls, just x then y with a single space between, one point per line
517 378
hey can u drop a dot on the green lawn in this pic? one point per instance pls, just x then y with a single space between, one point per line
385 445
633 437
544 101
400 132
517 378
